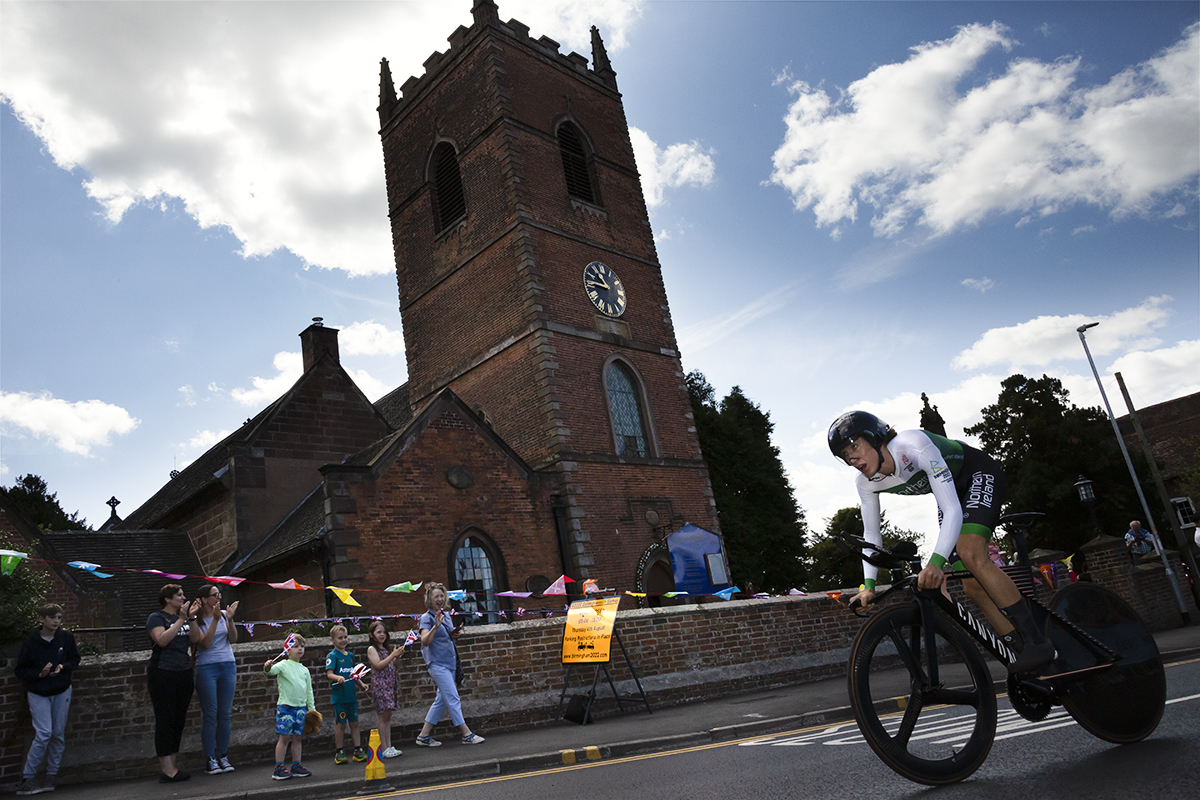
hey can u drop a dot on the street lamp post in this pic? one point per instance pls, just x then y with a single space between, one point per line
1088 495
1171 578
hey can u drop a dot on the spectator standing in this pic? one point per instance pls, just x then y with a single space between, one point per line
383 684
339 665
216 675
169 675
47 660
1138 540
437 648
295 699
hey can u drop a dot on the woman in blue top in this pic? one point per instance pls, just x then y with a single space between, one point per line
437 648
216 675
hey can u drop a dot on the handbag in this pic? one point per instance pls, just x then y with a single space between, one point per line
458 670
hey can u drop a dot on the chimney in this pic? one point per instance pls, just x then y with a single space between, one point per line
316 340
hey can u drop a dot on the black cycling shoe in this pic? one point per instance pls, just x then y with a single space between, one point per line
1033 656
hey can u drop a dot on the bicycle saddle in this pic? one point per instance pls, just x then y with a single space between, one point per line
1021 520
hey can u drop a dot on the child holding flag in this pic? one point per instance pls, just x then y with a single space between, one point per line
383 684
339 669
295 699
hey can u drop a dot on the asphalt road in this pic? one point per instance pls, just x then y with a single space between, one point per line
1054 758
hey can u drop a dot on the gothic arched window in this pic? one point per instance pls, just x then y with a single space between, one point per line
626 410
576 163
476 569
448 200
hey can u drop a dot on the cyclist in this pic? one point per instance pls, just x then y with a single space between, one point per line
969 487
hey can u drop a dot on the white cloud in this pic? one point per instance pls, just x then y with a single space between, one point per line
370 338
1154 376
1084 229
370 386
205 439
905 142
290 366
980 285
189 395
681 164
74 427
259 116
1048 339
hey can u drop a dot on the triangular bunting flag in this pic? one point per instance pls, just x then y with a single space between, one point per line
290 583
727 594
558 587
9 560
344 596
406 587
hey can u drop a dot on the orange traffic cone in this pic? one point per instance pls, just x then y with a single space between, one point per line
376 776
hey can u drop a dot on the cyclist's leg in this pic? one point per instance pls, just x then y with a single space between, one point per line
1035 650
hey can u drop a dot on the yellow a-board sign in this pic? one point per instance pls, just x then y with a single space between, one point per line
588 635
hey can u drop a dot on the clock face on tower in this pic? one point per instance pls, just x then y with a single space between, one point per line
604 289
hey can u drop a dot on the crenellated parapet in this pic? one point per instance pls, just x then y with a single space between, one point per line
486 16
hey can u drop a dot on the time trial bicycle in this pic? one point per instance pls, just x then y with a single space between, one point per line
922 657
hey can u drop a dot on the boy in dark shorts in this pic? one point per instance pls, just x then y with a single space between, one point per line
339 664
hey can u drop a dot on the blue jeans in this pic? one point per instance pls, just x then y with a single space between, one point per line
447 696
214 686
49 732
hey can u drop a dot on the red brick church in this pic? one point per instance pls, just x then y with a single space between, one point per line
545 427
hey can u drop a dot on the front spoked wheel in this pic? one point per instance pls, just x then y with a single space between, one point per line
1122 703
945 731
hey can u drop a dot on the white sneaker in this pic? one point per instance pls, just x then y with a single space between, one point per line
428 741
391 752
473 738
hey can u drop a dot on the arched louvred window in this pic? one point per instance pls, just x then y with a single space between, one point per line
576 164
476 567
449 202
625 408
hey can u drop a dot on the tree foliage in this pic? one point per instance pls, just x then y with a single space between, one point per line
763 527
32 496
830 568
21 595
1045 444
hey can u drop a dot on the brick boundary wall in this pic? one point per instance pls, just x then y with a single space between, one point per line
513 676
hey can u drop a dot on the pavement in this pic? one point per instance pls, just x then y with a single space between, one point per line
759 713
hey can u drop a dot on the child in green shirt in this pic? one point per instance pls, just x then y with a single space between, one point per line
295 699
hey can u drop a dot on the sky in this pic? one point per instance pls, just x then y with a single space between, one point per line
853 203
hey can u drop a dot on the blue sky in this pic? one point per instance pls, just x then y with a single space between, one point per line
853 203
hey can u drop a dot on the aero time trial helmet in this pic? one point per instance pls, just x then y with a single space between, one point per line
852 425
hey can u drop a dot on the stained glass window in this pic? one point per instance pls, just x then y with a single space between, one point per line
626 410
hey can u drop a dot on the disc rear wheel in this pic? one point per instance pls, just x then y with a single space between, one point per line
1122 703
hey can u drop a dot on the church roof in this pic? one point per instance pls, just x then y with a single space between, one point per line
132 550
302 527
395 408
202 473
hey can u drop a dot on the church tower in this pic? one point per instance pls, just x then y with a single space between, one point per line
529 284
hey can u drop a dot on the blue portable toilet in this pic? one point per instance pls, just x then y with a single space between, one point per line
698 561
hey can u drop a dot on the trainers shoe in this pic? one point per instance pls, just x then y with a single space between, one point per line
214 767
360 755
391 752
281 773
49 783
225 765
428 741
28 786
340 757
299 771
473 738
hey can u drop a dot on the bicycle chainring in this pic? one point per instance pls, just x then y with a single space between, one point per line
1030 704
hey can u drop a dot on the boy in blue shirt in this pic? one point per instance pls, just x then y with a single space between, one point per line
338 666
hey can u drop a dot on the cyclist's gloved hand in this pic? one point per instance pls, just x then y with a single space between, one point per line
865 599
931 577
